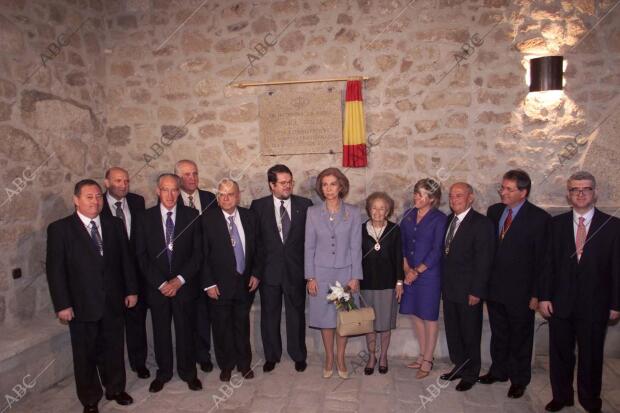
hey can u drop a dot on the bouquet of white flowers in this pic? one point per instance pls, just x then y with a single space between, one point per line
341 297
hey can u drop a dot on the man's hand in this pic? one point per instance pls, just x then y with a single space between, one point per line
66 315
533 303
131 301
167 289
614 315
399 292
472 300
354 285
312 287
213 293
253 284
545 308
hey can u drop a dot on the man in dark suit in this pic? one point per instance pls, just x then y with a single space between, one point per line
466 266
522 247
168 247
193 197
580 293
119 202
91 278
229 243
281 226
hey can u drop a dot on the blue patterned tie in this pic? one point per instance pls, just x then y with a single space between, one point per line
94 235
169 236
286 221
236 243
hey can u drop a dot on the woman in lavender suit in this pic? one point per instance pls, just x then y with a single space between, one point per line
422 230
333 252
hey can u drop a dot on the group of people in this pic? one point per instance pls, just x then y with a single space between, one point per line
197 259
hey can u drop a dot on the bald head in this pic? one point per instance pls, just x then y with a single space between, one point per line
117 182
461 197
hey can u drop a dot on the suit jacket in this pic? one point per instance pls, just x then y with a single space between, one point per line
467 267
219 265
520 258
589 288
79 277
207 200
136 207
280 263
339 247
186 253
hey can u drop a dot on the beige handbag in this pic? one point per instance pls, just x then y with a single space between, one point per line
356 322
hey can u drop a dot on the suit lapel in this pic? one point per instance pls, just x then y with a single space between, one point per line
517 222
83 233
595 226
271 216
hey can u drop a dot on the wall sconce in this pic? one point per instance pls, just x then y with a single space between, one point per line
546 73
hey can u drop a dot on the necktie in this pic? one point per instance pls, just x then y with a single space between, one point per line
96 238
120 214
580 240
286 221
507 223
235 239
169 236
450 236
191 202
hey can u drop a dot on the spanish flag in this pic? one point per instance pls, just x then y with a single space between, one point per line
354 135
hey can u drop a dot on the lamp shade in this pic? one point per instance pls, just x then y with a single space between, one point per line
546 73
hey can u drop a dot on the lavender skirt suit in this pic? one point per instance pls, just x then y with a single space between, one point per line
333 252
423 243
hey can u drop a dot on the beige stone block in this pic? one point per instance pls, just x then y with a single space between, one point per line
406 105
424 126
346 35
234 44
292 41
446 99
443 140
285 6
492 117
5 111
195 42
123 69
386 62
457 121
11 37
212 130
264 25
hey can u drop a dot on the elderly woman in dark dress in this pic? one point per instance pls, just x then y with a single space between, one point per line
422 230
382 285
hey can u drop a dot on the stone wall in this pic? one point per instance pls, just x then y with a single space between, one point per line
140 70
51 129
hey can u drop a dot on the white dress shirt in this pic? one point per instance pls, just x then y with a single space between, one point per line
277 202
195 199
164 216
460 218
125 206
587 221
86 221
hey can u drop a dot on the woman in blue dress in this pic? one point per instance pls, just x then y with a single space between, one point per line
422 229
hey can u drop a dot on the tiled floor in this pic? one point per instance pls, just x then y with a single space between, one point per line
285 390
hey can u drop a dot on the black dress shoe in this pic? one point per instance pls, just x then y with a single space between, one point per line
225 374
194 384
464 385
369 370
91 409
269 366
489 379
301 365
555 405
143 372
247 374
206 366
516 391
383 369
156 386
121 398
450 376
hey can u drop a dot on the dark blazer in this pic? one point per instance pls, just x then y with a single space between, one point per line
384 267
520 257
186 254
591 287
79 277
280 263
136 206
207 200
467 267
219 265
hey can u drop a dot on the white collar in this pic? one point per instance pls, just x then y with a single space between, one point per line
164 210
462 215
86 221
587 216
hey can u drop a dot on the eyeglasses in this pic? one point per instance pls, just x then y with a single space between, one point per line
581 191
285 183
502 188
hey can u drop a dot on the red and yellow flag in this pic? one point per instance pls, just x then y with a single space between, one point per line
354 134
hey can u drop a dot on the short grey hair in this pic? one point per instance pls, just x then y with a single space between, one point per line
168 175
181 162
582 176
470 189
227 181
